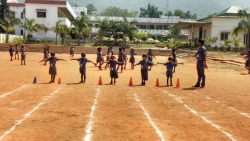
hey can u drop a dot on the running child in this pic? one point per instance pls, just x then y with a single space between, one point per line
45 53
52 69
112 52
170 70
82 62
72 52
247 64
173 53
17 52
125 57
48 49
23 55
132 58
144 68
150 57
11 50
99 58
113 71
120 59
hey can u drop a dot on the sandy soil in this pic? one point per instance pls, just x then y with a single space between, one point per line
175 113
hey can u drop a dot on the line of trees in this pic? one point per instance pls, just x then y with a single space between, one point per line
150 11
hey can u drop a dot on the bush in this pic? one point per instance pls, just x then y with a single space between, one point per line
161 40
19 41
38 41
222 48
30 36
154 37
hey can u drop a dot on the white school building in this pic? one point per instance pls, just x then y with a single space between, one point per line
220 25
46 13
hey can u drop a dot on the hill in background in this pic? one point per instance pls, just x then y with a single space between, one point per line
202 8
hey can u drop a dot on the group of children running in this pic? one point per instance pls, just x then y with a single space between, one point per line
114 65
22 51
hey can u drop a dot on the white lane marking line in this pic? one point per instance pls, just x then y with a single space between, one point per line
233 109
89 126
27 115
244 114
4 95
147 115
205 119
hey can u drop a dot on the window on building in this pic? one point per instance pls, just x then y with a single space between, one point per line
59 15
21 32
82 13
205 33
223 36
22 15
41 14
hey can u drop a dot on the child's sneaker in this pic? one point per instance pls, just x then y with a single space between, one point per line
51 82
81 82
171 85
111 82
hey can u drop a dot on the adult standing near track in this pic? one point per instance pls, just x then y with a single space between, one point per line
201 64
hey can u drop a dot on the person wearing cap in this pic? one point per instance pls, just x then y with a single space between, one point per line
82 62
113 71
52 69
201 65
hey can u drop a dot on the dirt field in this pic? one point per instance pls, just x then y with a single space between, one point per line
75 112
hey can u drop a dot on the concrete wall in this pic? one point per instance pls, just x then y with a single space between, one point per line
3 38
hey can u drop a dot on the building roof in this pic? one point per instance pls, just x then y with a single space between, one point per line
16 4
230 10
46 2
189 24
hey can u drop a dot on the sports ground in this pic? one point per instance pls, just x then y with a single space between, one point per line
76 112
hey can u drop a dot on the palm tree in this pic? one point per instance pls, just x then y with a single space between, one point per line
244 25
128 28
80 23
46 30
30 26
57 29
66 32
115 28
150 12
104 26
8 23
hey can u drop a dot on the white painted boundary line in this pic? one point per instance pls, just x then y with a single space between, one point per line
27 115
89 126
147 115
4 95
204 118
233 109
244 114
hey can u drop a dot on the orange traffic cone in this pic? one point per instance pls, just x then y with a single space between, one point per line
178 83
59 81
100 81
157 83
131 82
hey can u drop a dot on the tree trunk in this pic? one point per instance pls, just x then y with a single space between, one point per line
125 40
7 38
56 38
247 41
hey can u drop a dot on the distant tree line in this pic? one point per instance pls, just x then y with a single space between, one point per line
150 11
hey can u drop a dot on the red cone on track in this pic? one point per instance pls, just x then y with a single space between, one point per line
178 83
157 83
59 81
131 82
100 81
